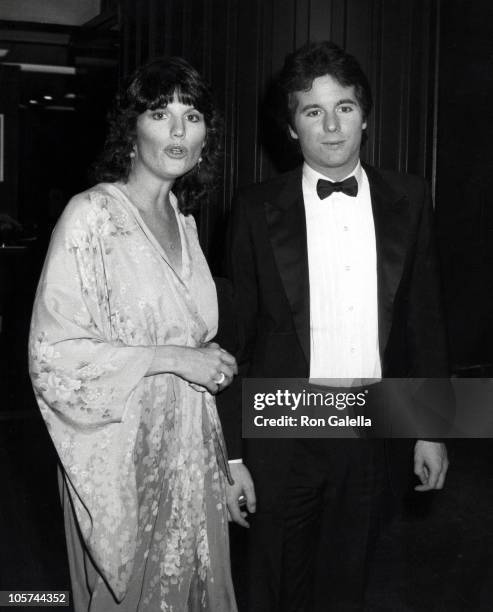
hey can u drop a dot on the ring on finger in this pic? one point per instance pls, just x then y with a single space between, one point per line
221 379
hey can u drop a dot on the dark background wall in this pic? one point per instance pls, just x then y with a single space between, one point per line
9 108
465 180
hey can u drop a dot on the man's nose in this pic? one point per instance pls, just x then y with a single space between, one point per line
331 122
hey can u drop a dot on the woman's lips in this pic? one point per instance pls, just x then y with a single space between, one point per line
176 151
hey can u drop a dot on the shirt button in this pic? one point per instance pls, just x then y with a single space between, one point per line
347 268
351 308
353 350
346 228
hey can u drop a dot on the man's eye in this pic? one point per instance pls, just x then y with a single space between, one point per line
313 113
345 109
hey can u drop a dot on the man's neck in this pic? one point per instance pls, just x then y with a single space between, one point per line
333 176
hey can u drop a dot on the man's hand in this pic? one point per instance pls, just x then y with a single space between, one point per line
243 485
430 465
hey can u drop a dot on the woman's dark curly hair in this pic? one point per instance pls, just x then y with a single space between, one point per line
153 86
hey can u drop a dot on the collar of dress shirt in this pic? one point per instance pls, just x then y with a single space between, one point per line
311 176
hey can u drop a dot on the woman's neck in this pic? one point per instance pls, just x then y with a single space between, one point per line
149 196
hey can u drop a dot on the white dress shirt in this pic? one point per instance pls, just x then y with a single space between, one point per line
342 265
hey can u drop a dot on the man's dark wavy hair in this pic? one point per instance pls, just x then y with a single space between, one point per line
153 86
316 59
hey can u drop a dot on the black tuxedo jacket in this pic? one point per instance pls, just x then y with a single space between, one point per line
268 266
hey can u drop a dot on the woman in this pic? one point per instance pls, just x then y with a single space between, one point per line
122 366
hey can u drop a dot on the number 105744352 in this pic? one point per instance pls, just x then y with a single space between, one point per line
34 598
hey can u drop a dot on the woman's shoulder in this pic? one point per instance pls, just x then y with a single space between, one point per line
94 208
101 195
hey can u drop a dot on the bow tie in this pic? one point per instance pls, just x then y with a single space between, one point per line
349 186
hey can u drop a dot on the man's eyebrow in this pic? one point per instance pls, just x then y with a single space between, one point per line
338 103
347 101
309 107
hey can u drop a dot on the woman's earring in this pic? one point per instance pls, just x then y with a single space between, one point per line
131 154
198 163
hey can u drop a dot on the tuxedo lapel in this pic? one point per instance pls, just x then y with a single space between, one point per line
391 218
287 232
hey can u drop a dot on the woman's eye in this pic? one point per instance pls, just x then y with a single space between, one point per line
194 117
158 115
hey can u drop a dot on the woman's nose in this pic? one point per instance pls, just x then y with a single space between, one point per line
178 128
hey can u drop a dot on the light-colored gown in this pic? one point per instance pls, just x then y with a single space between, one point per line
143 456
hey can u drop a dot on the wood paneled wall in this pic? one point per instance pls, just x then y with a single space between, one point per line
240 44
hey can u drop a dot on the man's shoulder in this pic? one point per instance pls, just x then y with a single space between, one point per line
399 181
269 188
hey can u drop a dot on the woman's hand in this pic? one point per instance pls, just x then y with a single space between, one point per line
209 365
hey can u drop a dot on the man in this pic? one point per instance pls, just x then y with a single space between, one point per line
334 276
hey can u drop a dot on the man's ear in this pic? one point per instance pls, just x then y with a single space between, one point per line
292 133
